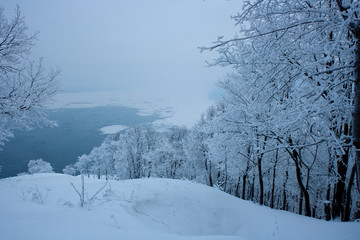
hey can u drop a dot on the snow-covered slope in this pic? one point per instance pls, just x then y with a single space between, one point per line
45 206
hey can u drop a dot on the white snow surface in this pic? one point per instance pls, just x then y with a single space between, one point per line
112 129
45 206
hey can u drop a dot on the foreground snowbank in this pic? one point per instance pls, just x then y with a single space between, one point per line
45 206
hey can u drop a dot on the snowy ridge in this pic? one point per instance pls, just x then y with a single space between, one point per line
44 206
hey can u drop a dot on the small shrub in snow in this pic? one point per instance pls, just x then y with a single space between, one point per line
35 195
82 194
65 203
108 193
116 222
39 166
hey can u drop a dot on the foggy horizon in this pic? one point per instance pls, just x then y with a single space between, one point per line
149 48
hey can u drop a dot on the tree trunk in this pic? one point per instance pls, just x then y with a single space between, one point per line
261 183
339 195
226 176
82 194
208 171
295 156
244 186
301 202
348 196
252 189
313 213
356 112
304 191
245 175
273 180
236 193
259 162
327 208
207 166
327 203
284 206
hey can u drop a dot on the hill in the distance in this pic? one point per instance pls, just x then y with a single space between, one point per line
45 206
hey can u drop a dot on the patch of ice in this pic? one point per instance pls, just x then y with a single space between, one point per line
112 129
180 110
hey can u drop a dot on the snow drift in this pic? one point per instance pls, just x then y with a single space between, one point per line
45 206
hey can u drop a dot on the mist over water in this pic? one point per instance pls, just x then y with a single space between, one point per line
78 132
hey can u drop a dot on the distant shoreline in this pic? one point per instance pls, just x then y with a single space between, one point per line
78 132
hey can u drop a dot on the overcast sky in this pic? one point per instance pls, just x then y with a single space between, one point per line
145 46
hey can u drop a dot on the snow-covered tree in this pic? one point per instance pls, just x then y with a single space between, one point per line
39 166
122 156
162 160
305 55
134 146
84 164
25 86
69 170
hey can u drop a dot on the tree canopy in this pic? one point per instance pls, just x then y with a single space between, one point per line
25 85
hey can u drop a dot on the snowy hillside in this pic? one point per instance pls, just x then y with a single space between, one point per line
45 206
